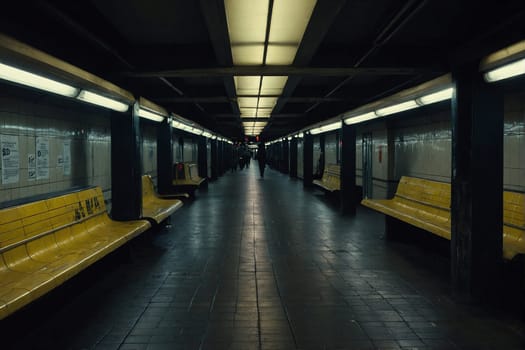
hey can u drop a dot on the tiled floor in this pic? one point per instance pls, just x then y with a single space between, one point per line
262 264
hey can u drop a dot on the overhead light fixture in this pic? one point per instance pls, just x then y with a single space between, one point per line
23 77
256 30
507 71
207 134
325 128
360 118
399 107
103 101
442 95
150 115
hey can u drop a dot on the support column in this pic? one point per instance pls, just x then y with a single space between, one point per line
214 160
126 166
202 157
477 186
322 152
348 188
308 160
293 157
164 157
286 157
220 155
391 158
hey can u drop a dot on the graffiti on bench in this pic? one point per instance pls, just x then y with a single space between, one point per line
86 207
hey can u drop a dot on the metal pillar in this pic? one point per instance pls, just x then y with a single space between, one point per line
348 188
164 157
126 165
286 157
202 157
214 160
308 160
293 157
477 185
220 155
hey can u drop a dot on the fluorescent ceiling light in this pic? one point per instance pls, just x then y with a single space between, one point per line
360 118
507 71
267 102
247 85
289 21
197 131
273 85
442 95
23 77
247 102
247 28
144 113
103 101
207 134
399 107
325 128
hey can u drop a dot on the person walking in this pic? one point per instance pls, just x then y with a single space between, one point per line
261 158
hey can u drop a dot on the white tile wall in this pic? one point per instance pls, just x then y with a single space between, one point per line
380 155
149 150
514 143
359 161
190 150
423 151
88 133
330 146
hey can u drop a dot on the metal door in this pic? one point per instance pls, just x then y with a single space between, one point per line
367 165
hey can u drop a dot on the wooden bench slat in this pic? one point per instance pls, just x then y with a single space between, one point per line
426 204
51 240
331 178
154 207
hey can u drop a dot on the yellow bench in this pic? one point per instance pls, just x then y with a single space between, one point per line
426 204
153 206
331 180
186 177
46 242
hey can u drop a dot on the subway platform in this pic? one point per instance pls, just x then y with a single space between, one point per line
263 264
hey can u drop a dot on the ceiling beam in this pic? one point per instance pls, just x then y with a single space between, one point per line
224 117
214 15
324 14
222 72
225 99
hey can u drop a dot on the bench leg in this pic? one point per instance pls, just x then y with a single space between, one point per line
393 230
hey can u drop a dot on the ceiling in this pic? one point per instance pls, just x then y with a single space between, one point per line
178 52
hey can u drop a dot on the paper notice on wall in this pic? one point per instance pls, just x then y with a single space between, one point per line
10 159
42 158
67 158
31 167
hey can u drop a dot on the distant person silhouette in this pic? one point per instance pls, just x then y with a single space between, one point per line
261 158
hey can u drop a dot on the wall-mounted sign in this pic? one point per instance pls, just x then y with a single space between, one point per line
42 158
10 159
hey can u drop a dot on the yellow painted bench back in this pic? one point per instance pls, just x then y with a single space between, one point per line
514 209
427 192
332 176
29 221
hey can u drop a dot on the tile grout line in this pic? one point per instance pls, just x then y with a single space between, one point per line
256 281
